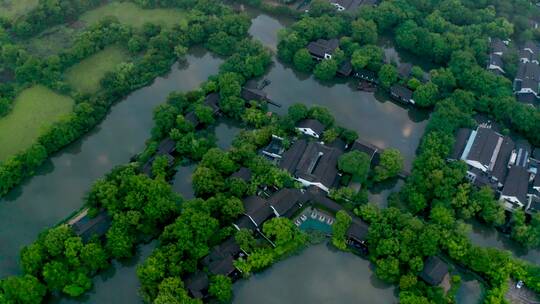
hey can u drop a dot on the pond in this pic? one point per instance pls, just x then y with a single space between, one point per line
376 119
61 183
182 181
485 236
118 284
379 193
316 275
226 131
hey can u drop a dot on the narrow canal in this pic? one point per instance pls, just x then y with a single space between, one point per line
60 185
375 118
316 275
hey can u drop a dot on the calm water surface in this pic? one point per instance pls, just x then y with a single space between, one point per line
375 118
226 130
316 275
118 284
182 181
485 236
58 188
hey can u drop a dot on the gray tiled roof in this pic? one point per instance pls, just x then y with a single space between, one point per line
497 46
501 163
484 146
322 46
434 270
462 137
312 124
87 227
516 183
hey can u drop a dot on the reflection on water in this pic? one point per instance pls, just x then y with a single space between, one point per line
316 275
58 188
225 131
485 236
379 193
470 290
182 181
118 284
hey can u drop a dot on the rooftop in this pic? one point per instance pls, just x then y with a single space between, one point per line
516 184
249 94
86 227
312 124
434 270
322 47
243 174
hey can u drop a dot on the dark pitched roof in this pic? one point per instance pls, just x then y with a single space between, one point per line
348 4
87 227
496 60
497 46
462 136
536 182
319 197
244 222
358 230
365 147
338 144
532 46
287 201
228 248
501 163
434 270
528 77
321 47
318 163
401 93
257 209
275 146
345 68
253 94
517 183
243 174
484 145
224 266
292 156
166 146
312 124
212 100
197 285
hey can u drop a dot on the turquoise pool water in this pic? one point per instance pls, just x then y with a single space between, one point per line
313 224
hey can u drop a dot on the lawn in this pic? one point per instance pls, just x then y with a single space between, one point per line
12 9
86 75
52 41
133 15
34 109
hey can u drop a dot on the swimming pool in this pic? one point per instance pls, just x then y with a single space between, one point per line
313 224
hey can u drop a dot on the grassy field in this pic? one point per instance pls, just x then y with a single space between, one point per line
131 14
34 109
12 9
86 75
51 41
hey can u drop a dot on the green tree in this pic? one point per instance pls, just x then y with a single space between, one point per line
326 69
369 56
364 32
355 163
426 94
390 165
22 289
297 112
339 229
221 288
388 75
303 60
204 114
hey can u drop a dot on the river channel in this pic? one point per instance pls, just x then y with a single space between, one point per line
61 183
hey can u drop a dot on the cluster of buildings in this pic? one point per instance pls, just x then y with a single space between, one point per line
323 49
527 81
496 161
